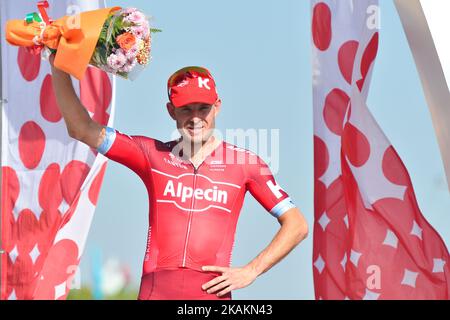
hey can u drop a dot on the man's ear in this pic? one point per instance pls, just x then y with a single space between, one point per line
217 105
171 110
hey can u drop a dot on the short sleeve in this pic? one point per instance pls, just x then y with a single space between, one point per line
131 151
264 188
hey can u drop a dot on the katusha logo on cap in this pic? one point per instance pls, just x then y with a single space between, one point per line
203 83
178 191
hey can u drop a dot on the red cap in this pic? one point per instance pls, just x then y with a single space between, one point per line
192 85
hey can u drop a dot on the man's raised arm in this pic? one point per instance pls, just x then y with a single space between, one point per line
79 124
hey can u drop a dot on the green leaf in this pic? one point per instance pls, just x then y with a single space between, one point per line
123 74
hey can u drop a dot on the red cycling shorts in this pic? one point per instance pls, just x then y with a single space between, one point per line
178 284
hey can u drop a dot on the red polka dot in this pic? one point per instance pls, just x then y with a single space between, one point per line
10 187
369 55
49 220
330 200
56 268
321 157
393 168
337 211
346 59
61 257
337 232
335 201
8 231
49 106
96 93
49 224
44 291
319 196
72 178
27 231
323 280
321 26
31 144
336 105
50 195
405 213
94 190
360 83
40 261
101 118
21 275
368 58
355 145
29 64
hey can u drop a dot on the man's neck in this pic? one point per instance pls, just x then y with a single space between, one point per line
199 152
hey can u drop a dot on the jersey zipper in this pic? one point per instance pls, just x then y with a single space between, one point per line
191 210
190 219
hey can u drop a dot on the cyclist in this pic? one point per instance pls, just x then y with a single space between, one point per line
196 187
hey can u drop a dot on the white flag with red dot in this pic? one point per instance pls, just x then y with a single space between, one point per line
371 240
50 182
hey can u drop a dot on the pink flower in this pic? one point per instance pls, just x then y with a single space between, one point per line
128 66
117 60
141 32
127 11
136 17
138 31
146 28
121 54
132 52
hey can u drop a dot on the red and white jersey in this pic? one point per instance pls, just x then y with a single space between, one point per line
193 212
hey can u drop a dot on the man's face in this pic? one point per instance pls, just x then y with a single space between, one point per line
196 121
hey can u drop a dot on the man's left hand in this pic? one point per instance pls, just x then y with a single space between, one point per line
231 279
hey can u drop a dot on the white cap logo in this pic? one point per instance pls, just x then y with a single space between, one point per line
203 83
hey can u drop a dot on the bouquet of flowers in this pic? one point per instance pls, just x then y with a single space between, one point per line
124 45
116 40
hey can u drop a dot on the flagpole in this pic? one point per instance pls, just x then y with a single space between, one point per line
431 73
1 137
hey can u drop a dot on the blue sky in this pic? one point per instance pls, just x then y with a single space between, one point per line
260 55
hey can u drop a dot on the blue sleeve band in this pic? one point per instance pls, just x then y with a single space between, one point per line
282 207
107 143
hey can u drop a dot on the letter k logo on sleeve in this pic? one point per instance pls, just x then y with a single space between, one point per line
275 188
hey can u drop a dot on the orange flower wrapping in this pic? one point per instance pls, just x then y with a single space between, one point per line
75 46
126 41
